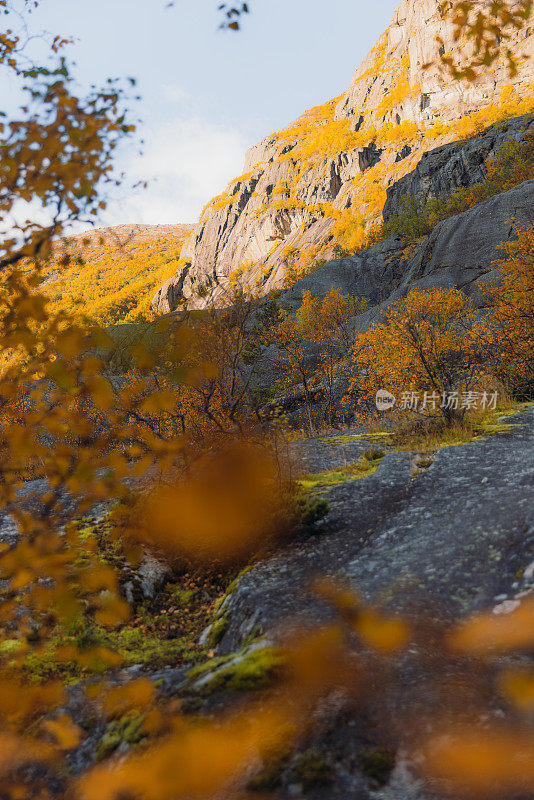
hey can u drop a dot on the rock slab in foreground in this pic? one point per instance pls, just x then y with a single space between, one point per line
454 537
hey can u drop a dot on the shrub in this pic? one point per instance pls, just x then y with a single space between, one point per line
311 508
313 771
429 342
513 309
326 322
373 455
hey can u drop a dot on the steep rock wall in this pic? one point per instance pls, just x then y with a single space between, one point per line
459 250
313 189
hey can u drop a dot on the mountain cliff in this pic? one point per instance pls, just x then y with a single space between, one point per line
312 191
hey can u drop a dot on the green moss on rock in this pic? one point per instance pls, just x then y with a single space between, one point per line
217 630
312 770
251 669
270 778
377 763
348 472
311 509
127 730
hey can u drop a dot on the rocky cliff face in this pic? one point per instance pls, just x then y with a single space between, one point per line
460 250
321 181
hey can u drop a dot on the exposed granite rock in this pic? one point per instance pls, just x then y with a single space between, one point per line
372 275
452 539
411 36
288 200
446 168
460 250
437 545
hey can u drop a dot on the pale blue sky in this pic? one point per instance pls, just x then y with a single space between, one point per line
207 94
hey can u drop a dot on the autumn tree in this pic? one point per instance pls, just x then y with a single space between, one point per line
327 323
512 305
311 345
85 437
214 372
431 344
88 437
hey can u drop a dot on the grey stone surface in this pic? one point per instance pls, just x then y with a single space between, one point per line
460 250
455 164
247 228
436 545
412 33
463 249
452 538
371 275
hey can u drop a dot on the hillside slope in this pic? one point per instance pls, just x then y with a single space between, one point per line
111 274
311 191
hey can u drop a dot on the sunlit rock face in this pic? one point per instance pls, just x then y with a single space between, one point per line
323 180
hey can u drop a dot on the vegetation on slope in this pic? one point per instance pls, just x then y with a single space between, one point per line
319 136
111 275
512 165
193 424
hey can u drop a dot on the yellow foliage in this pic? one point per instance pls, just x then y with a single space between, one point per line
513 306
489 634
401 88
429 341
189 414
491 762
112 276
225 511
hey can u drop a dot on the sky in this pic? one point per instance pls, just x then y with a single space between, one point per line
207 95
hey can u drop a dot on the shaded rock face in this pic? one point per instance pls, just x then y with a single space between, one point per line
298 182
444 169
460 250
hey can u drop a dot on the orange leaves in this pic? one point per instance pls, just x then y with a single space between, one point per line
318 662
481 762
204 758
162 400
16 751
518 686
428 341
135 696
198 760
20 703
112 611
483 33
65 732
224 510
384 634
70 343
491 634
324 322
512 302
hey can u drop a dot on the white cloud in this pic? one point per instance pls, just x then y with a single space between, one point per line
186 163
174 94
